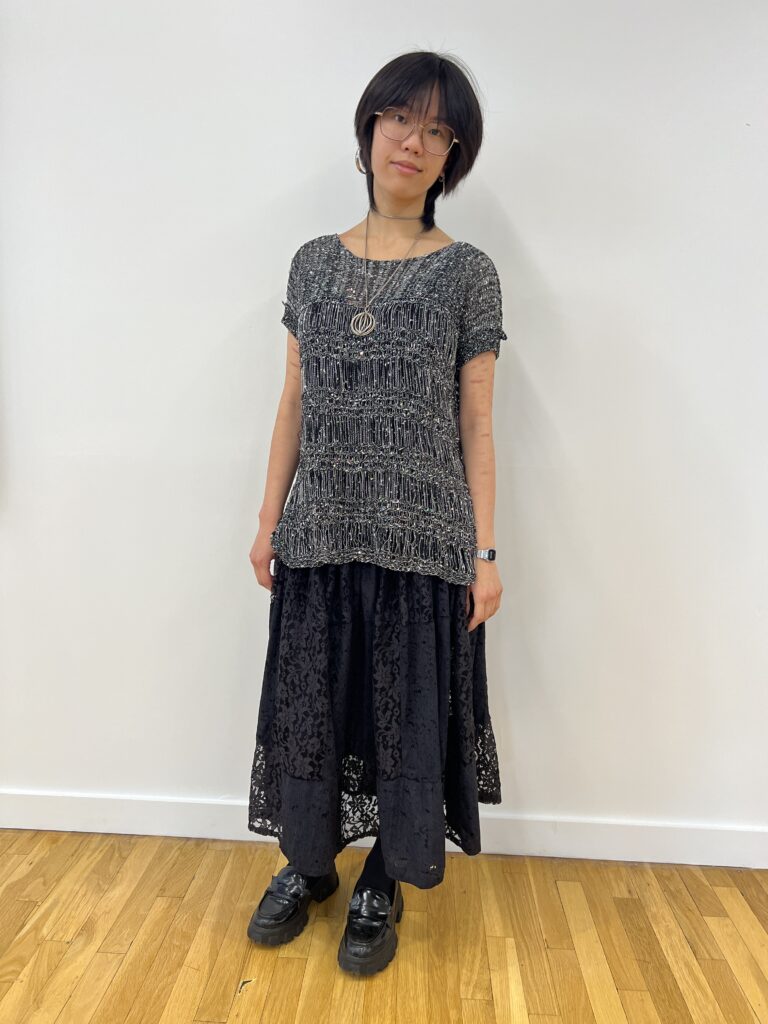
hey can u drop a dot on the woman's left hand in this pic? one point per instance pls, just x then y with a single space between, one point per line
486 592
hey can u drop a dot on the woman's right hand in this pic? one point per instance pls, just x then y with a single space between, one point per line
261 555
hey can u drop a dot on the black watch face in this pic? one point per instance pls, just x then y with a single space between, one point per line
491 554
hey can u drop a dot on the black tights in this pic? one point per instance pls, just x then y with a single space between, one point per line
373 872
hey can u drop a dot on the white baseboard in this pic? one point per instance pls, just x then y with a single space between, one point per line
667 842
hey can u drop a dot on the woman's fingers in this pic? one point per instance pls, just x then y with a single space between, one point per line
261 569
483 609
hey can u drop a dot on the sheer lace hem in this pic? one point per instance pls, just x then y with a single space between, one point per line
358 804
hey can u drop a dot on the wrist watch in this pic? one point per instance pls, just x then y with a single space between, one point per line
489 554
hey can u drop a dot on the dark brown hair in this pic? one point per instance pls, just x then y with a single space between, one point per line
408 80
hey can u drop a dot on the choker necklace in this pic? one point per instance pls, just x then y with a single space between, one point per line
363 322
394 216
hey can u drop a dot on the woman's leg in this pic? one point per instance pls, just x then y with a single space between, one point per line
373 872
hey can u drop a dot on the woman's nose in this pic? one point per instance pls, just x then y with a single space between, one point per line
413 139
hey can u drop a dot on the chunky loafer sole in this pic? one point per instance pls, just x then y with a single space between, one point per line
356 957
276 933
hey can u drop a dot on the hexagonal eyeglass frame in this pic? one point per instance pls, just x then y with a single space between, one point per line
410 125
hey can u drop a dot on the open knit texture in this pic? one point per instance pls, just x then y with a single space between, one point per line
381 474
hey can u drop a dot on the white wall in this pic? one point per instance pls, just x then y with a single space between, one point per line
153 191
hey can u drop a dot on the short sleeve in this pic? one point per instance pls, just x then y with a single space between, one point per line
481 320
292 302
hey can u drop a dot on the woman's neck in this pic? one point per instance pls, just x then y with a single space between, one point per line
390 226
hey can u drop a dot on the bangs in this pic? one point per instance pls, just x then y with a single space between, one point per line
413 89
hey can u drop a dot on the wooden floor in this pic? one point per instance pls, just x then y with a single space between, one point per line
112 929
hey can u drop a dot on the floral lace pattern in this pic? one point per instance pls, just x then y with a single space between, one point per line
373 718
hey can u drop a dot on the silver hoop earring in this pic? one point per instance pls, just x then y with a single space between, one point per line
358 165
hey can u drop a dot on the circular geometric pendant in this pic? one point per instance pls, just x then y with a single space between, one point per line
362 323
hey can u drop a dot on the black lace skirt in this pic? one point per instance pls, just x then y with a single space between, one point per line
373 719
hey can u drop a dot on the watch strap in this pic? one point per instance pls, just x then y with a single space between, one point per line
488 554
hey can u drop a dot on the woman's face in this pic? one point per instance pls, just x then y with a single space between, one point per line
386 152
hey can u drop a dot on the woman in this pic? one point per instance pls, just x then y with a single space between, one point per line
374 715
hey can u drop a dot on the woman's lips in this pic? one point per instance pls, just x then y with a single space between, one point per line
404 169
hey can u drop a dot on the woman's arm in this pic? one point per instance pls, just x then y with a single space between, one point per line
476 430
282 463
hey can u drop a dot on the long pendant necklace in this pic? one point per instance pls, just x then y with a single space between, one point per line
363 323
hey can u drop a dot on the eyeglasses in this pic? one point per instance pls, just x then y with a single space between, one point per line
436 137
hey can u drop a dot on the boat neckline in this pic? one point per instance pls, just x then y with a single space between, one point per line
423 256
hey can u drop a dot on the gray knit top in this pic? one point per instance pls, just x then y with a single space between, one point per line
380 476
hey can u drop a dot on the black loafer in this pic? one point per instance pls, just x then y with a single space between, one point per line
282 911
369 941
